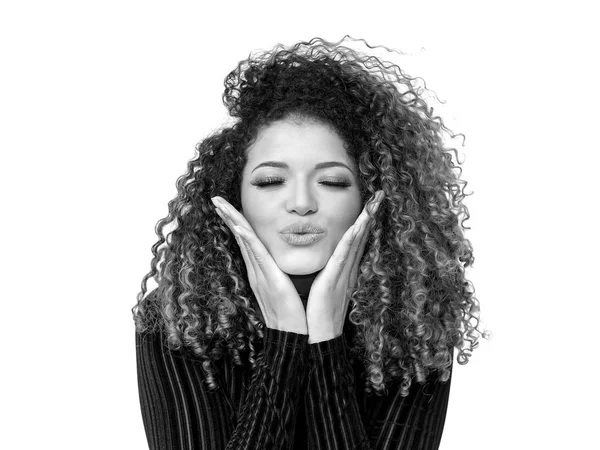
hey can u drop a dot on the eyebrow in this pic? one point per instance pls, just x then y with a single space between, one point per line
322 165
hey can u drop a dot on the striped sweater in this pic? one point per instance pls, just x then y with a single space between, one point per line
299 396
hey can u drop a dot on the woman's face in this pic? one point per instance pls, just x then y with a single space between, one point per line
299 192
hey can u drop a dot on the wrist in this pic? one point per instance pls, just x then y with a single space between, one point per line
298 328
317 339
316 335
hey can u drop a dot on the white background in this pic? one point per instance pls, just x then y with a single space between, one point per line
101 104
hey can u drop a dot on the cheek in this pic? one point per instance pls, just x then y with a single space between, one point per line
263 223
346 219
252 211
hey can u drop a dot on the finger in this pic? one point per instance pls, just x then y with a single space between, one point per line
239 237
252 269
246 238
348 268
227 214
355 253
362 238
242 244
365 220
261 259
255 273
232 226
261 256
234 214
345 252
339 258
373 204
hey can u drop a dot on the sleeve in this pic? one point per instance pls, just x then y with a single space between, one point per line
335 419
179 412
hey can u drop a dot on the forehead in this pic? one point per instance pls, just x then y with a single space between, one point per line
295 143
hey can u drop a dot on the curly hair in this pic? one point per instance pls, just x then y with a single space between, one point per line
412 304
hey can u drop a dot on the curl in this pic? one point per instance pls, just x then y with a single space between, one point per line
412 304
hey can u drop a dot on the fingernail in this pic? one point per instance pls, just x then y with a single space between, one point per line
377 196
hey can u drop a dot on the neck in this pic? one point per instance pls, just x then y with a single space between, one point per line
302 283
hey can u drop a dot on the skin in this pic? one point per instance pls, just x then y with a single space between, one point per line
302 196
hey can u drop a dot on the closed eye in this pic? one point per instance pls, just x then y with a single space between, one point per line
274 181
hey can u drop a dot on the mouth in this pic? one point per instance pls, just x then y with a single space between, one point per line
301 239
304 232
302 228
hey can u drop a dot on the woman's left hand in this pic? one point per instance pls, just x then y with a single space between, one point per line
331 290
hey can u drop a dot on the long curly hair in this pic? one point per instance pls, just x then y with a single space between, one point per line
412 304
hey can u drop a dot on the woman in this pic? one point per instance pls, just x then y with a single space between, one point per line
260 337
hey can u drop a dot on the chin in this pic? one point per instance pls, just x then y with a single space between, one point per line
301 266
302 272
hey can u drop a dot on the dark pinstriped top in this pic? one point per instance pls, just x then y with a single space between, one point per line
299 396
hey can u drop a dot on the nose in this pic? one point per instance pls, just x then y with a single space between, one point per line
302 199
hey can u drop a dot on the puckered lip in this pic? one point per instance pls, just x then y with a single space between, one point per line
302 227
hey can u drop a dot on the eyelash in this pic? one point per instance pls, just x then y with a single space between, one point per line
269 181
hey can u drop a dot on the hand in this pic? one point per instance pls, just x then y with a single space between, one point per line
331 290
277 296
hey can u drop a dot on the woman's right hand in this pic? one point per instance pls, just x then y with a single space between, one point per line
277 297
